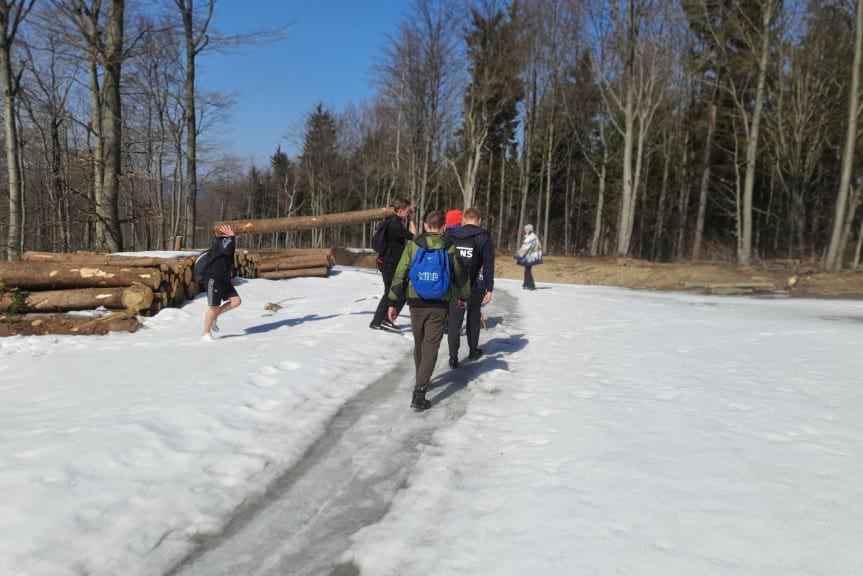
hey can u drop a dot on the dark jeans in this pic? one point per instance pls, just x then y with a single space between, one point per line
427 324
456 316
528 279
388 271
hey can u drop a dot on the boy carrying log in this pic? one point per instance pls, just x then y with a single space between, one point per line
221 295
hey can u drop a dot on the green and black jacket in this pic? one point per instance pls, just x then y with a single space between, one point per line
458 277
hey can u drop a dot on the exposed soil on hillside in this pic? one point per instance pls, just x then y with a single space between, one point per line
777 277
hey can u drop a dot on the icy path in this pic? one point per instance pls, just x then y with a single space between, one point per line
346 481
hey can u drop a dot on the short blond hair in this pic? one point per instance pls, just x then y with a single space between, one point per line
473 214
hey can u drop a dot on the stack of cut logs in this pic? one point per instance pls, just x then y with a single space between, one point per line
281 264
47 282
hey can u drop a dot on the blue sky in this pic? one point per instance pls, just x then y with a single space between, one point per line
328 55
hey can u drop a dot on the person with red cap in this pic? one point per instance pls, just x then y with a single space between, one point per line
475 253
453 218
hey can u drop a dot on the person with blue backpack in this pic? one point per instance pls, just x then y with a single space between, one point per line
216 275
427 272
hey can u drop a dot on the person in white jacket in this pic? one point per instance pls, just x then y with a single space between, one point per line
529 255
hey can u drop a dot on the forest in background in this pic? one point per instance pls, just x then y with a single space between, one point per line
657 129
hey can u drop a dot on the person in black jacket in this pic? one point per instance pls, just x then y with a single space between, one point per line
395 234
475 251
221 295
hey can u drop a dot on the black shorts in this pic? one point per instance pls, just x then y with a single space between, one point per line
219 291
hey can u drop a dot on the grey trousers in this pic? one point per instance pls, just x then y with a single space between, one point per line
428 328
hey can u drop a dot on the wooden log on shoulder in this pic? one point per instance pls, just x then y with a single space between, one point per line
319 272
304 222
38 324
294 263
132 298
38 275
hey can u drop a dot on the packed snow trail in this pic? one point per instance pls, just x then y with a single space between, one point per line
303 522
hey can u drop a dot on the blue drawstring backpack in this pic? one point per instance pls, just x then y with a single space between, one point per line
430 273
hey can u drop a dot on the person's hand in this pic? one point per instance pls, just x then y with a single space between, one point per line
486 299
462 304
412 227
226 230
391 314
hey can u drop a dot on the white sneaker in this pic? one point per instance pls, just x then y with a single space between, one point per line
207 338
215 325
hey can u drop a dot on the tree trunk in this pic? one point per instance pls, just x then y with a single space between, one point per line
108 209
600 196
295 262
319 272
304 222
744 255
663 194
47 276
705 184
835 256
133 298
191 125
16 208
548 183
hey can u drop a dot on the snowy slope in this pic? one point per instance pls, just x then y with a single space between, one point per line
608 432
641 433
115 450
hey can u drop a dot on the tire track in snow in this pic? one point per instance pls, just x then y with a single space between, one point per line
304 520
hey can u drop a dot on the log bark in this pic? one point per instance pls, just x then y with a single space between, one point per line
37 324
132 298
294 263
174 265
263 255
35 276
303 222
319 272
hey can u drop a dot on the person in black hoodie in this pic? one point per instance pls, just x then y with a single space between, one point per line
221 295
475 251
395 235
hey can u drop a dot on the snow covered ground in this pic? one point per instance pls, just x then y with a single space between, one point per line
606 431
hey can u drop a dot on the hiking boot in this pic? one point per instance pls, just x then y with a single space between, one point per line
419 402
475 354
453 362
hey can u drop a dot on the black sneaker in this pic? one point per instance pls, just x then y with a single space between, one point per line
376 326
453 361
419 402
387 325
475 353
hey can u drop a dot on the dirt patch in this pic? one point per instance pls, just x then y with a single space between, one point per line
778 277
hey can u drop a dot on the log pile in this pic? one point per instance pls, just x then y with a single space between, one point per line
37 291
47 282
294 263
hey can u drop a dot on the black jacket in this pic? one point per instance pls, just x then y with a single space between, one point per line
221 265
475 250
396 235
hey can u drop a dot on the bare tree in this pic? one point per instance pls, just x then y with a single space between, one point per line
12 14
834 258
195 40
630 41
